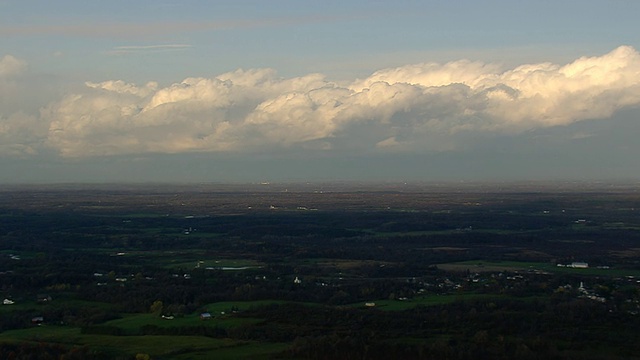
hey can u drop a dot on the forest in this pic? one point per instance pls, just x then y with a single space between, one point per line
320 271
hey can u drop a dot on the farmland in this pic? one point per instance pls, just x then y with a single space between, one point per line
320 271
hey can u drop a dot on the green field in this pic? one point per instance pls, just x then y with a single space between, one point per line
430 300
441 232
218 307
185 259
132 323
495 266
221 312
188 347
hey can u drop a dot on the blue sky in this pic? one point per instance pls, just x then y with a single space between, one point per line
296 37
318 90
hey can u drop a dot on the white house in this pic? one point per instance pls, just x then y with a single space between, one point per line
579 265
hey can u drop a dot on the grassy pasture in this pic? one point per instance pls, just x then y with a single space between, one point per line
445 232
430 300
20 305
495 266
131 323
182 347
186 259
342 264
217 308
186 347
59 301
218 263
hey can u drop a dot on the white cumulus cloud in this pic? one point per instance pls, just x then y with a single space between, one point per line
414 107
21 134
10 66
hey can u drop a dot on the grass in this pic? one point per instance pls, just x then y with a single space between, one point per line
182 347
174 347
216 308
131 323
430 300
185 259
177 347
19 305
342 264
491 266
444 232
59 301
22 254
233 263
247 350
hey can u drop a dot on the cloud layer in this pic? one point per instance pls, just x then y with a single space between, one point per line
421 107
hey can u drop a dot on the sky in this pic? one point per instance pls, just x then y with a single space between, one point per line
288 90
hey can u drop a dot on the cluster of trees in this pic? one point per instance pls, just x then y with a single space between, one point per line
506 329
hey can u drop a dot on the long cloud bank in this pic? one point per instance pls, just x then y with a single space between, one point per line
419 107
